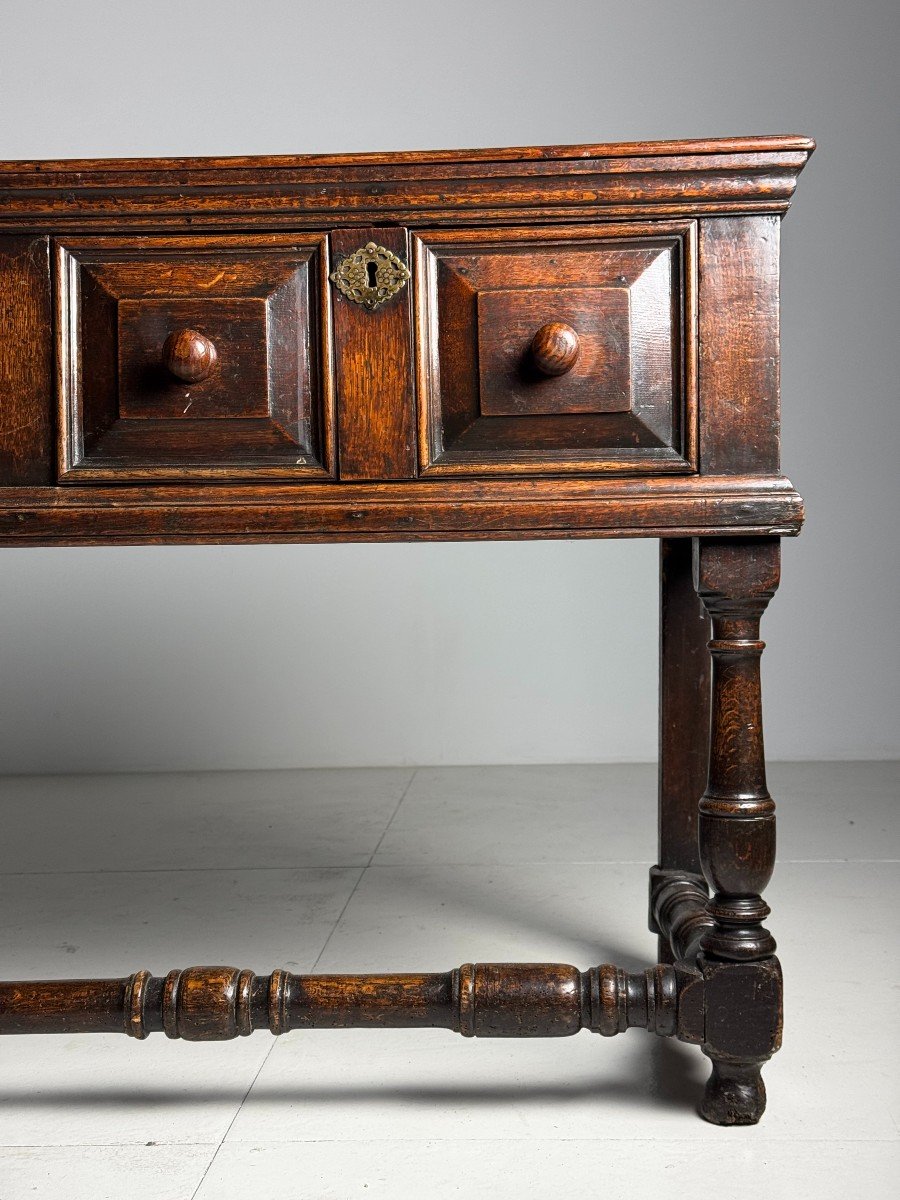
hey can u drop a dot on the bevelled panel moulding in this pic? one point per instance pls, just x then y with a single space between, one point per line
256 402
622 398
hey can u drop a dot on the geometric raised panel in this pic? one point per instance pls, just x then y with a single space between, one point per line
147 388
625 403
260 407
512 385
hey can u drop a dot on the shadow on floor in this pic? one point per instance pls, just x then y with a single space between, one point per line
674 1078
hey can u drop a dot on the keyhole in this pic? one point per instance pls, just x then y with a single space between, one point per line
371 272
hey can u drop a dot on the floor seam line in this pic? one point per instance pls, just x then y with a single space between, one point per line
315 964
520 862
228 1129
699 1140
183 870
384 833
338 919
359 879
426 1140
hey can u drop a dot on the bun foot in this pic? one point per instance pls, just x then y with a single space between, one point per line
735 1094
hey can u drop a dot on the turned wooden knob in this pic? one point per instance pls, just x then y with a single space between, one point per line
189 355
554 348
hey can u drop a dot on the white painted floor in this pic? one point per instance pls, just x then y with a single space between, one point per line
422 870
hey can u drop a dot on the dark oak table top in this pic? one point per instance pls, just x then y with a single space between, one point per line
319 420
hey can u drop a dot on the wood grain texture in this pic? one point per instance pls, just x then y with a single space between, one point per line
684 706
629 404
739 345
189 355
373 372
266 409
495 1000
464 186
234 376
736 580
315 421
555 347
430 510
757 144
26 370
532 364
678 904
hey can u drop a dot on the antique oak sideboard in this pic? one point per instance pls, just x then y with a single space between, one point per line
554 342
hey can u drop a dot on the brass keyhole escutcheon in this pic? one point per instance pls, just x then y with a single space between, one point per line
370 276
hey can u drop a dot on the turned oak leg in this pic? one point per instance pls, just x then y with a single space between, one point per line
736 578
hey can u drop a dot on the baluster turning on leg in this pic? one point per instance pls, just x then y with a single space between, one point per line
736 578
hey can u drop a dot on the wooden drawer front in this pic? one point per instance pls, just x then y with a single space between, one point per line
607 386
143 396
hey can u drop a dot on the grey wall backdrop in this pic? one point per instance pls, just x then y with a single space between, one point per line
114 659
